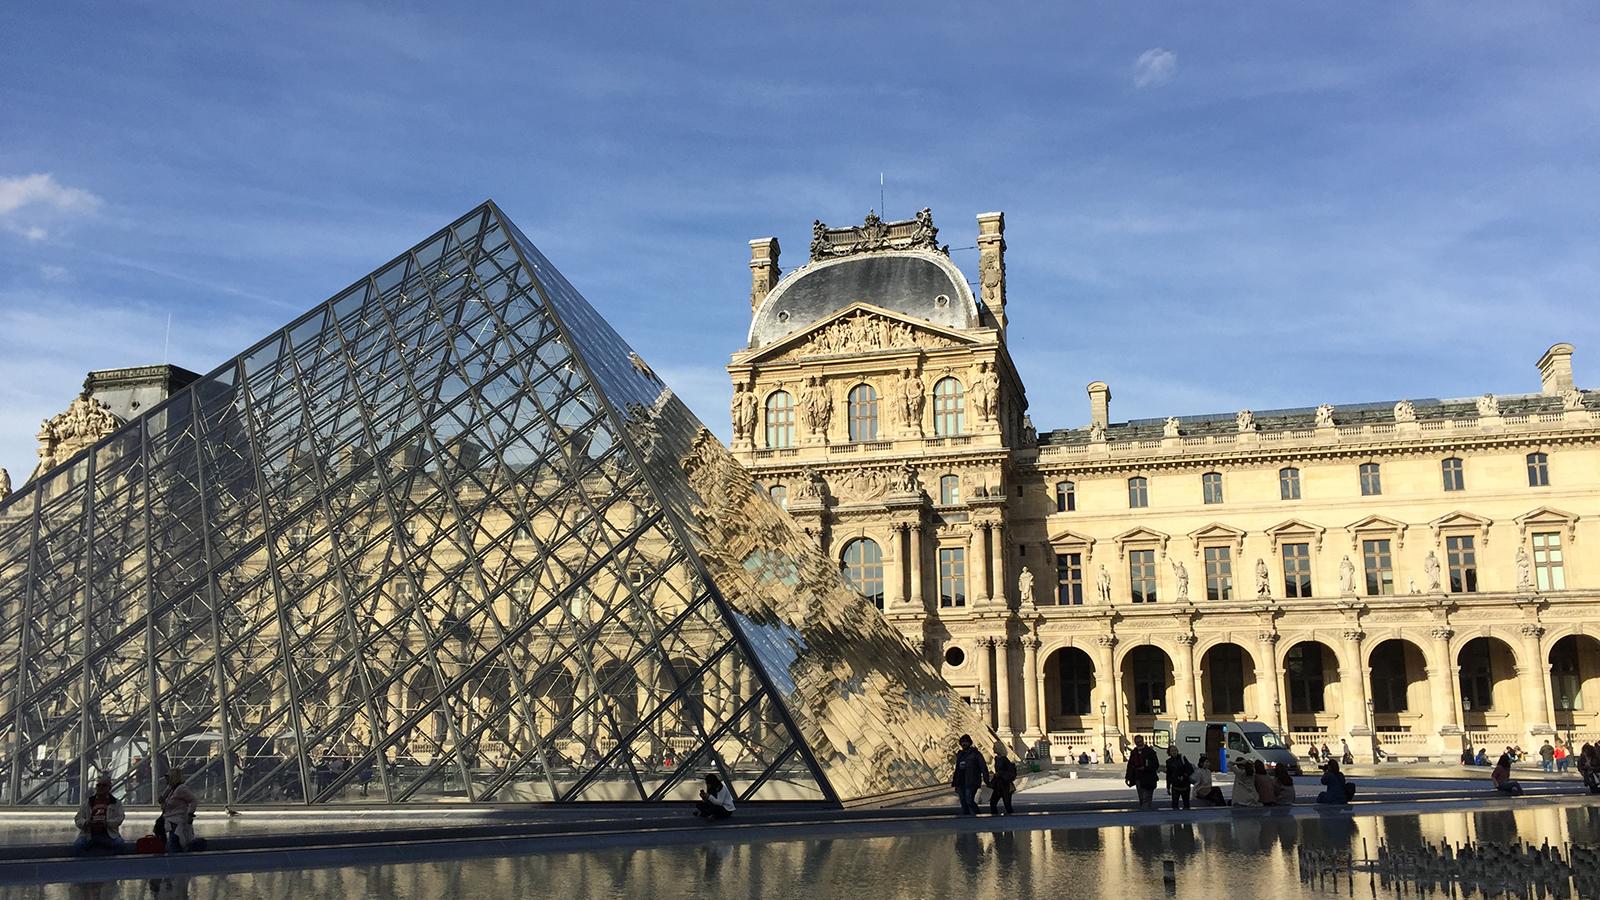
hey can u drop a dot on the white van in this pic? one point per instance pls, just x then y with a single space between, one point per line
1255 741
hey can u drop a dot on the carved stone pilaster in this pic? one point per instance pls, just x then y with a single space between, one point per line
1442 633
1532 630
1187 638
1106 640
1267 637
1031 642
1354 635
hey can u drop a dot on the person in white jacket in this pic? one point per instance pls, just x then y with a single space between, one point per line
99 820
716 801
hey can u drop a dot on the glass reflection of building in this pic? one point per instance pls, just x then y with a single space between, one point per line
442 538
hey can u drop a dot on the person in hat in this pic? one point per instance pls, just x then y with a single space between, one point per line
971 772
99 820
178 805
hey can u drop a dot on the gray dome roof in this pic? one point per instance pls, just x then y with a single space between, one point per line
922 284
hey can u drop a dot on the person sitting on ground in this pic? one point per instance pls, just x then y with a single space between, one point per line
1094 757
1083 757
716 800
1502 780
1180 775
1206 793
1482 759
1335 789
178 805
1003 783
99 820
1266 785
1283 784
1244 784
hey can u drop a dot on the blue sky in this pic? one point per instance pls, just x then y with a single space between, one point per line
1209 206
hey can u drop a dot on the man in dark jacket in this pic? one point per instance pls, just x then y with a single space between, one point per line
971 772
1180 775
1004 782
1144 770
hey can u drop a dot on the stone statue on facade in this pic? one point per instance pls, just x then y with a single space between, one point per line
1572 400
905 480
743 410
912 395
1488 406
986 391
1244 420
1169 428
1182 574
1263 579
1030 434
816 406
5 485
1325 416
812 486
81 425
1524 570
1347 577
1025 585
923 233
1430 567
1102 586
1097 432
1404 412
819 238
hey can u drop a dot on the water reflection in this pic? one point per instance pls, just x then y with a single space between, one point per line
1245 856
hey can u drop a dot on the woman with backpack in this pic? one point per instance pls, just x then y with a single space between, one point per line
1003 783
1180 775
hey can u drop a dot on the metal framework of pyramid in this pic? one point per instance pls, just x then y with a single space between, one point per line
444 537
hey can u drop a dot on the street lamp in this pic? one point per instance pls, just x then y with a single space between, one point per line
1372 729
1277 715
1105 748
1188 709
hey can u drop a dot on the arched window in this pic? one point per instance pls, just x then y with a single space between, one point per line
863 403
949 413
780 493
949 490
863 565
780 419
1066 496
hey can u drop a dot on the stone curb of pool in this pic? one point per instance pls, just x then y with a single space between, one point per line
402 845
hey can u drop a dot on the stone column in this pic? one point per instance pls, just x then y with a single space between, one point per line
1002 688
895 579
985 664
917 578
1267 677
1188 690
1031 676
980 556
1440 676
1353 685
997 564
1533 675
1109 695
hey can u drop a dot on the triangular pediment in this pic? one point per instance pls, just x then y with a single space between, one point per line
1140 535
1066 537
1377 524
1296 528
1547 517
859 328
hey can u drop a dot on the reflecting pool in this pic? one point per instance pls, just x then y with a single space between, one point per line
1239 856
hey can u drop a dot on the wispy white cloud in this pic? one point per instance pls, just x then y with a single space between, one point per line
1154 67
26 200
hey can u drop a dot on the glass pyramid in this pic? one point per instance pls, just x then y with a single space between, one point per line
444 537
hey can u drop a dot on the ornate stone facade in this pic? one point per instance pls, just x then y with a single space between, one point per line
1400 575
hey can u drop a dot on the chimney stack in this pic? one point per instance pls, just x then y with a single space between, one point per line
1099 404
1555 370
992 264
763 269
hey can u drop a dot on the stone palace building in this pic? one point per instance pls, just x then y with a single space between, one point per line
1399 575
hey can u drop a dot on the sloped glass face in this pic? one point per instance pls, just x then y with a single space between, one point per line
873 716
439 539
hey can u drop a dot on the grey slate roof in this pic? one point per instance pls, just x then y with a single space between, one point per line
909 282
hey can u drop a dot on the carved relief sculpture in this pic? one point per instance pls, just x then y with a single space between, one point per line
5 484
986 391
1430 567
1325 416
743 409
81 425
1170 427
990 278
1102 585
1572 400
1245 420
1097 432
1263 579
1488 406
1182 574
1347 577
1524 570
812 486
864 332
905 480
816 407
1404 412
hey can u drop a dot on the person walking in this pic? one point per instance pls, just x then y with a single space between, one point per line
1003 784
99 820
1205 791
1180 775
178 805
1547 757
1562 757
971 772
1346 757
716 800
1143 771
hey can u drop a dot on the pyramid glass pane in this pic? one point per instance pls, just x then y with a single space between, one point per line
444 537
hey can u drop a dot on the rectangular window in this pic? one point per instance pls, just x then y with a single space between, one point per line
1462 559
1549 568
1371 484
1138 493
952 576
1211 487
1289 484
1538 470
1296 570
1219 573
1142 575
1066 497
1454 477
1069 579
1379 566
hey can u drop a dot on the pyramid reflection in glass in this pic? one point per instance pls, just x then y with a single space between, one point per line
444 537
